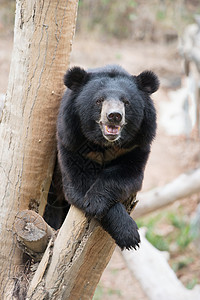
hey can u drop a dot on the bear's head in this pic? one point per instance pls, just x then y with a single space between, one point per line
112 105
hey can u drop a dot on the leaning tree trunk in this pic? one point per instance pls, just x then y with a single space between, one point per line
42 42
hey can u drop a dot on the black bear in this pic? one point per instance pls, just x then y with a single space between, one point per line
105 127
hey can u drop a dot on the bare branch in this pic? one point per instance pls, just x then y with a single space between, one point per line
183 186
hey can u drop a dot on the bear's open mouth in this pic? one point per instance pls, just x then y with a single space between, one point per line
111 132
112 129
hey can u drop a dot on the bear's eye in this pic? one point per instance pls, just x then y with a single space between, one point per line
126 102
99 100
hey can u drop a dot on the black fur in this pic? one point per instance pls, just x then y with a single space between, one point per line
99 176
148 82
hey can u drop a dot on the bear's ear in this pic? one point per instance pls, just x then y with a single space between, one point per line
75 77
147 81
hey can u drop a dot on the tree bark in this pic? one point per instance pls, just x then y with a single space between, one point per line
42 43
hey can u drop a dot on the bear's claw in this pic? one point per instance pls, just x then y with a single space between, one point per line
121 227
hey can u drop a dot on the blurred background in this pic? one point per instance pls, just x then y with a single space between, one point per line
164 36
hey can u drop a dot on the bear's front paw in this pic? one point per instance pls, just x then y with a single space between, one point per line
94 207
121 227
129 238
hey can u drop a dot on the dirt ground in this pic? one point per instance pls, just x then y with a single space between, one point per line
170 155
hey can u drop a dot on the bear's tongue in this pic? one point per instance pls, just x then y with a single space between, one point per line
112 129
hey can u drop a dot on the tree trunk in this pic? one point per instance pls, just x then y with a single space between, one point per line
73 261
42 43
72 266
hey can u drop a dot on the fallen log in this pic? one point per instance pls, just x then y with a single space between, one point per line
183 186
157 279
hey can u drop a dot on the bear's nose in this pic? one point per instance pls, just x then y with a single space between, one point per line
114 117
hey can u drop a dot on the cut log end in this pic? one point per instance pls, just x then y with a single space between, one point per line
32 231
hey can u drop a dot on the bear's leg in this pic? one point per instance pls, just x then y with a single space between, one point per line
57 207
121 227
